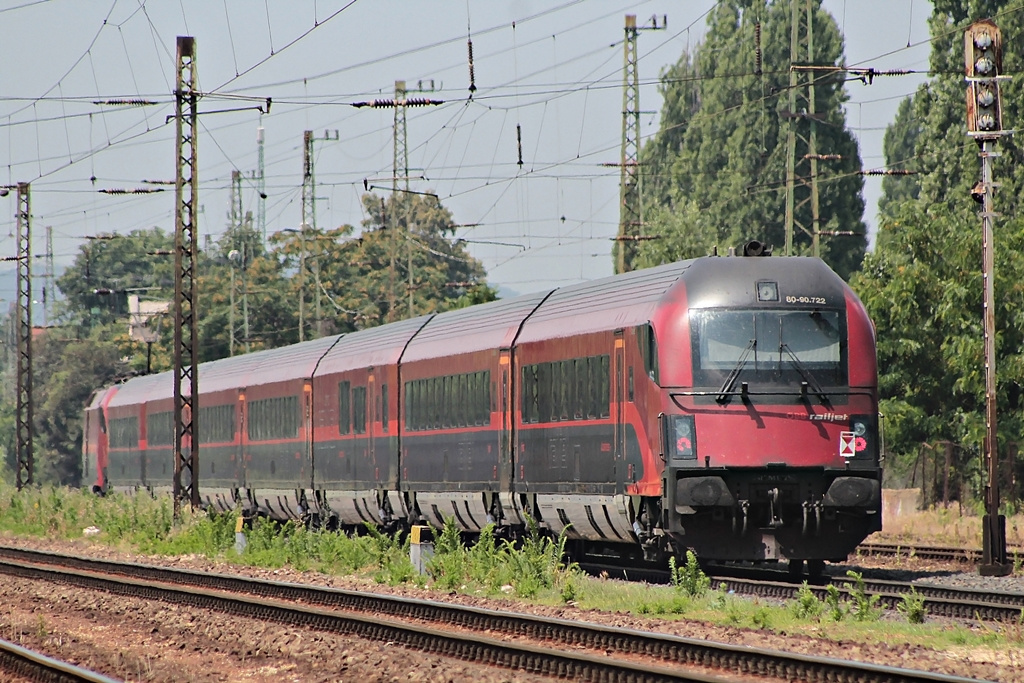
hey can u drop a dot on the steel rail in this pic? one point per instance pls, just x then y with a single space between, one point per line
663 657
944 601
30 665
945 554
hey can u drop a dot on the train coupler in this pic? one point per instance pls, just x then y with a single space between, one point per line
775 520
740 518
811 518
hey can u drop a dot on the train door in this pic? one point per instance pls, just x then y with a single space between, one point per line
504 399
307 425
620 427
372 416
238 456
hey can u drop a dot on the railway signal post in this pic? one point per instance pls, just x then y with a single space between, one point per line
983 53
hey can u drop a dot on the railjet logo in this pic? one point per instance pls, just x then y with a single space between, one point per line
819 417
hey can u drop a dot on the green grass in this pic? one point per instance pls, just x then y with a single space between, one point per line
533 568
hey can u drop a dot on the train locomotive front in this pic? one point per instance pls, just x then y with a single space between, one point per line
770 429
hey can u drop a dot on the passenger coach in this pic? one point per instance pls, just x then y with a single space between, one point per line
723 404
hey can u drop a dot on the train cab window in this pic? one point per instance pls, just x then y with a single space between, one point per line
384 408
769 346
344 407
359 410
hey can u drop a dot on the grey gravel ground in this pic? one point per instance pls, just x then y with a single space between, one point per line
967 578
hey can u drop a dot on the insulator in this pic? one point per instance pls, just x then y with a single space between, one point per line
519 143
757 48
472 75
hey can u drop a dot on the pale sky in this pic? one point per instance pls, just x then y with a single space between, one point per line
554 69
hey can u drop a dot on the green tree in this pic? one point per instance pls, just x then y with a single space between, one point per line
66 373
241 281
923 283
899 147
716 169
108 268
405 262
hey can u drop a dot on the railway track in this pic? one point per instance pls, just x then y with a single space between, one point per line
940 601
940 553
21 664
566 649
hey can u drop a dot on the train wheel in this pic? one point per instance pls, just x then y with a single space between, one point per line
796 570
815 570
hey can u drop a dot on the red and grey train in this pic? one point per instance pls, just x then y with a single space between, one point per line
726 405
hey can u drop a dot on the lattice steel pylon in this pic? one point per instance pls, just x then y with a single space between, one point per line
401 141
186 327
23 335
49 275
631 222
261 186
629 174
802 42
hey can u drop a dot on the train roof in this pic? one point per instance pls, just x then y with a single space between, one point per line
96 401
732 281
484 327
247 370
606 304
371 348
144 388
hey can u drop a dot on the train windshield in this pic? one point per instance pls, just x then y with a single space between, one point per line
769 347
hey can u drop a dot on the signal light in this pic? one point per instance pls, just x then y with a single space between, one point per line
983 61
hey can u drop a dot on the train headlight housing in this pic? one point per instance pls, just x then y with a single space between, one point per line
680 437
865 431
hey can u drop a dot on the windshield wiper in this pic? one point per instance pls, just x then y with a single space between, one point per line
808 377
730 381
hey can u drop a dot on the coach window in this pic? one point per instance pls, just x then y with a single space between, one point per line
218 424
565 389
410 405
605 386
160 428
124 432
485 398
529 391
384 408
344 407
415 421
630 382
359 410
483 384
459 400
482 409
582 395
545 392
649 350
